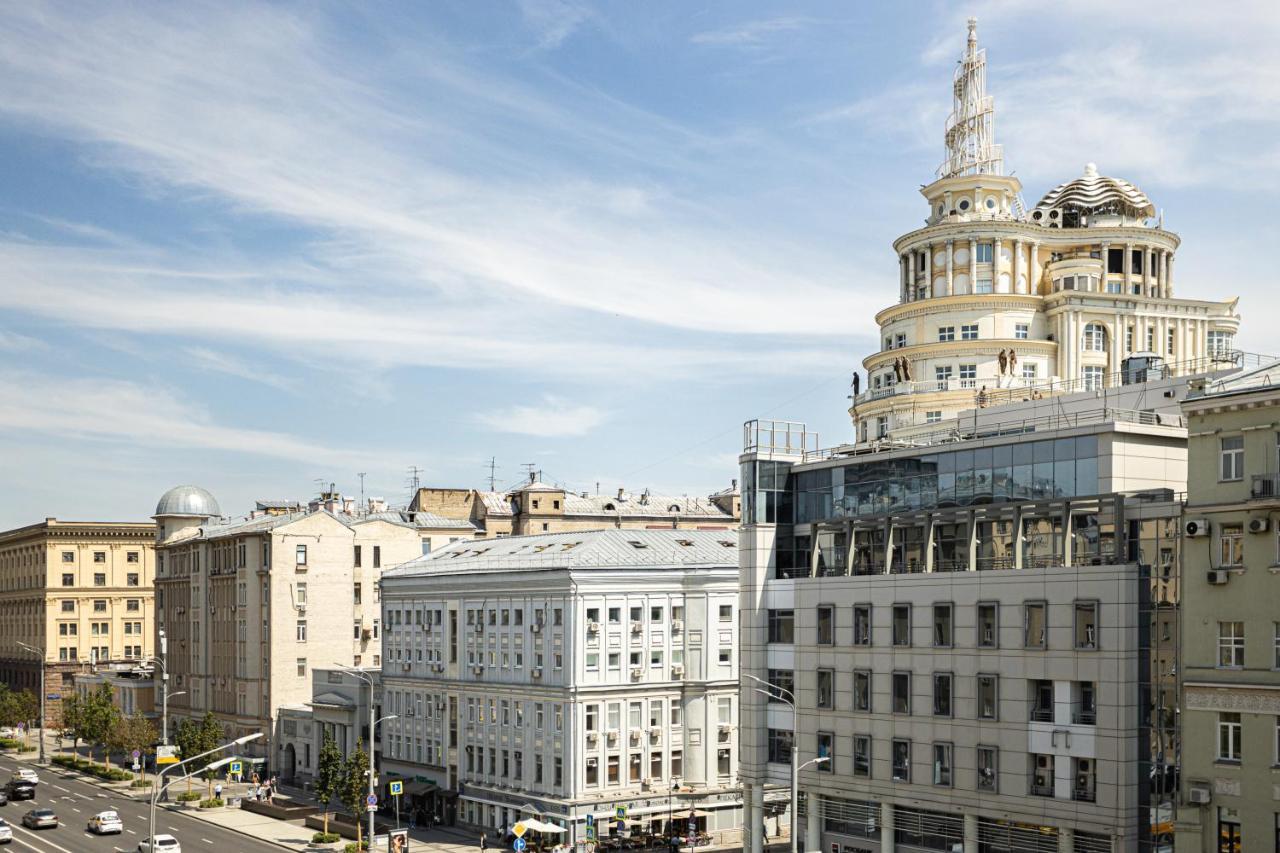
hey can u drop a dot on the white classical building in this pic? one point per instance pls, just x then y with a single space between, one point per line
999 304
567 675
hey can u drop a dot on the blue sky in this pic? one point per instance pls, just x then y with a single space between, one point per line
253 246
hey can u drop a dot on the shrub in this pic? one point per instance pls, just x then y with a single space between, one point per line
141 783
211 803
188 796
352 847
325 838
10 743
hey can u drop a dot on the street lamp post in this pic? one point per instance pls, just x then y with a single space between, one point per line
782 694
160 784
43 697
165 695
368 679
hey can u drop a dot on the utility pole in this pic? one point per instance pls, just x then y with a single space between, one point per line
361 475
529 468
493 473
164 687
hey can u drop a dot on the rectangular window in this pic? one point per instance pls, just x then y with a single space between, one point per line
1219 343
983 285
377 556
862 624
131 579
1034 630
942 373
1231 545
933 417
988 633
902 624
942 626
988 770
969 332
68 556
1230 645
1229 736
1232 456
1021 331
69 606
302 555
358 557
862 756
988 697
983 253
900 340
942 764
99 579
726 612
942 694
946 333
677 763
68 579
1092 378
826 689
902 693
1169 341
1086 624
784 685
826 626
901 754
825 748
780 741
968 375
782 626
862 691
1275 651
302 631
302 667
1031 371
655 614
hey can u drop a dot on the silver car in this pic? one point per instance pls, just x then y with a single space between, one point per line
40 819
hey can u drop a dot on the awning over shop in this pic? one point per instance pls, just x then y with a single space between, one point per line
415 788
539 826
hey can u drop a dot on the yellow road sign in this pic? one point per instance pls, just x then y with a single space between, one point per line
519 829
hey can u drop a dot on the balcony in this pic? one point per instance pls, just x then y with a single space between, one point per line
1084 795
1042 715
1084 718
1264 487
1041 790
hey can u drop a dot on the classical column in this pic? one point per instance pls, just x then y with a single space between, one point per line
973 265
888 828
1168 283
753 818
813 824
1017 267
911 275
951 256
1106 265
1066 839
970 833
902 278
928 269
1033 271
996 245
1149 272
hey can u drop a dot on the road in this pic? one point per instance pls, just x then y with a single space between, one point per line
75 801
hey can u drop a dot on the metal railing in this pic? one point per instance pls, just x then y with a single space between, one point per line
1041 790
1083 795
1264 487
1085 718
1042 715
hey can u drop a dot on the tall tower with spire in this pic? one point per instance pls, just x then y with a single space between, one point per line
971 127
997 305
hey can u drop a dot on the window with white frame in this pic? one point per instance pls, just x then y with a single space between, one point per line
933 417
1219 342
1230 731
1092 377
946 333
1031 371
1231 545
1095 337
1230 645
969 332
1021 331
968 375
1231 455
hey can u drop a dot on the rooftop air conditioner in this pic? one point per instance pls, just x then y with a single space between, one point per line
406 667
536 672
677 671
612 734
677 625
477 669
593 627
1200 795
592 737
1219 577
1259 525
536 627
1193 527
637 671
479 627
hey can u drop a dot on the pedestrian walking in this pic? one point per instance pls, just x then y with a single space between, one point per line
484 844
217 791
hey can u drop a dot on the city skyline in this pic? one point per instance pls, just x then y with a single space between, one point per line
542 234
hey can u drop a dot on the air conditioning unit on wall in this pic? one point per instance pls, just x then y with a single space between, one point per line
1194 527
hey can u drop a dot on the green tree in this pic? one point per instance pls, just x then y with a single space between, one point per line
187 739
98 717
71 720
329 775
134 733
211 737
355 785
27 705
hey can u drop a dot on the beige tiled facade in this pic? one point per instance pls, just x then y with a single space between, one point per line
1230 680
82 592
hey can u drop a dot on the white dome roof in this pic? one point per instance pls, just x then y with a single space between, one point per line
188 501
1094 193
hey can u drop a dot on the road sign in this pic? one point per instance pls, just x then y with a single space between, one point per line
519 844
237 767
166 754
136 755
519 830
397 788
371 800
620 827
620 813
53 697
591 832
137 766
591 820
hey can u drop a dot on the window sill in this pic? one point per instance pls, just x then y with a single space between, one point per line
1226 762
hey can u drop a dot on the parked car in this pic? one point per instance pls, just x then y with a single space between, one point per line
18 789
26 774
6 833
9 732
40 819
104 822
4 798
164 844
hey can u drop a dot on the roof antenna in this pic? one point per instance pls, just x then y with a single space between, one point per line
493 473
361 475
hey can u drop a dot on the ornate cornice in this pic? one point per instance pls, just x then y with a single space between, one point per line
1256 700
1048 238
951 349
949 304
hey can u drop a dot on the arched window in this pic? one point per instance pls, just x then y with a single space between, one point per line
1095 337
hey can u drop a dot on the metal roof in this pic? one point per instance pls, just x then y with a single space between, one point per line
582 549
1093 191
188 501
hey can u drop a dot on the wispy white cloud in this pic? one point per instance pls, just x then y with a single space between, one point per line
553 21
204 358
145 416
552 416
15 342
750 33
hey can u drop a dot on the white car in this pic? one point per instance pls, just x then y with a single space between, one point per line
164 844
9 732
26 774
104 822
6 834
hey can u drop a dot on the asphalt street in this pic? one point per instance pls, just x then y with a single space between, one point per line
75 801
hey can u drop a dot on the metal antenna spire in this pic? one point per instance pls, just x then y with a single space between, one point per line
971 127
493 473
361 475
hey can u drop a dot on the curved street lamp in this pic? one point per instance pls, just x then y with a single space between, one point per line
161 785
782 694
33 650
367 678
